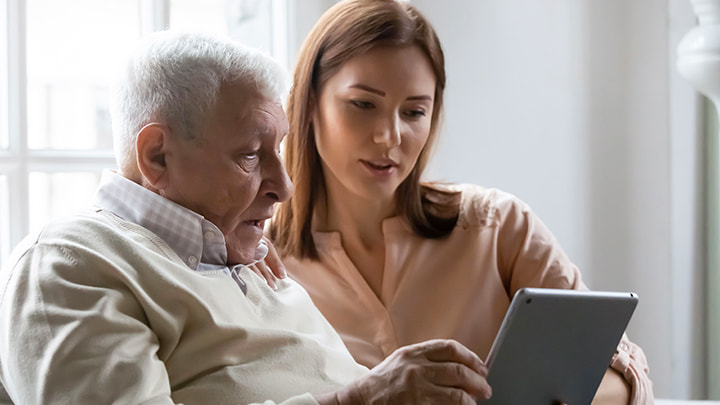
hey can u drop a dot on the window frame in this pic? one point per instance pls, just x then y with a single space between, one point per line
14 161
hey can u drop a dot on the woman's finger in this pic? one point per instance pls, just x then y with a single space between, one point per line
273 260
264 271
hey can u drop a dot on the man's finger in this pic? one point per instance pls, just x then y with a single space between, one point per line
448 350
449 395
456 375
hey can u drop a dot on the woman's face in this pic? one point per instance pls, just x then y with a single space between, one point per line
372 121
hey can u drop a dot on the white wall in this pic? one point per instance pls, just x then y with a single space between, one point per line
567 104
689 175
575 106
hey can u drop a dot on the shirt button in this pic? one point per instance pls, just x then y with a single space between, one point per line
192 260
209 235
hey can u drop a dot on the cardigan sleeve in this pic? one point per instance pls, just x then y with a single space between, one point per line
71 334
68 336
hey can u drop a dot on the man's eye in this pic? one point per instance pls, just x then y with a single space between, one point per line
248 161
365 105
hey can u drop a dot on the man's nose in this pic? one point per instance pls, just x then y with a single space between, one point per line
277 182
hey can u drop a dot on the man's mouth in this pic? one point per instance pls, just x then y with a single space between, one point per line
260 223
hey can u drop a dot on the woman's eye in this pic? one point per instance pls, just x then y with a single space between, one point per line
415 113
365 105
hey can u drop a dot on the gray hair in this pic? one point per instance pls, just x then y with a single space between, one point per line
174 78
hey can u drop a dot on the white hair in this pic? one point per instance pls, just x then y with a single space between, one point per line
174 78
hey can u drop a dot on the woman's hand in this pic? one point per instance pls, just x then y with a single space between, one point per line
272 268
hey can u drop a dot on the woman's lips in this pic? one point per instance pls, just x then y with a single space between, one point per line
382 167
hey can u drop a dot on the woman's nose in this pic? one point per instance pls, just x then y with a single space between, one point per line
388 133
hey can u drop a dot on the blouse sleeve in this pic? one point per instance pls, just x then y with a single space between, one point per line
528 253
530 256
630 361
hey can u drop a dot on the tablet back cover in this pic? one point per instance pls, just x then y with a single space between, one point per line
555 345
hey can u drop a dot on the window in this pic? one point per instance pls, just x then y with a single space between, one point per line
4 213
68 69
55 66
3 82
261 24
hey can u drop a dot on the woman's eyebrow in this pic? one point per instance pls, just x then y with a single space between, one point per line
367 88
382 93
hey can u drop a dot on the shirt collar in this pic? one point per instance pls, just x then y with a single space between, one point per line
188 233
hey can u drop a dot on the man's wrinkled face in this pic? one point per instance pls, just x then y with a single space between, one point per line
232 173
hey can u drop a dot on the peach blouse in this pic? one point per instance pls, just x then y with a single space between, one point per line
459 286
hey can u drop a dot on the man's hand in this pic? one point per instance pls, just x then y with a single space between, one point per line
272 268
432 372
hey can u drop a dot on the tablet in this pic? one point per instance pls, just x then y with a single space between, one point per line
555 345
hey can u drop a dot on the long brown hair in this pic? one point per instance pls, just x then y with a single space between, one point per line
348 29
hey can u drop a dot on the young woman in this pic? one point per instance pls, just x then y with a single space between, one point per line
390 260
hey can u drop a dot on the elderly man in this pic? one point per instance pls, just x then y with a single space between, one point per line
148 297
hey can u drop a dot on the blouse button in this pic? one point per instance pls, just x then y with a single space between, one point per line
209 235
192 260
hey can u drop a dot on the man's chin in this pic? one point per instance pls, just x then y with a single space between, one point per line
243 253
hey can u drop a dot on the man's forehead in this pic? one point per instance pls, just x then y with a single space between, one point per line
249 89
241 100
270 117
260 115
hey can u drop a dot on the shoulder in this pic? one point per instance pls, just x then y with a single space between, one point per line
91 228
481 206
95 227
48 255
63 233
91 237
84 255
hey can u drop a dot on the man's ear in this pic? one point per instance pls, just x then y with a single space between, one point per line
151 146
